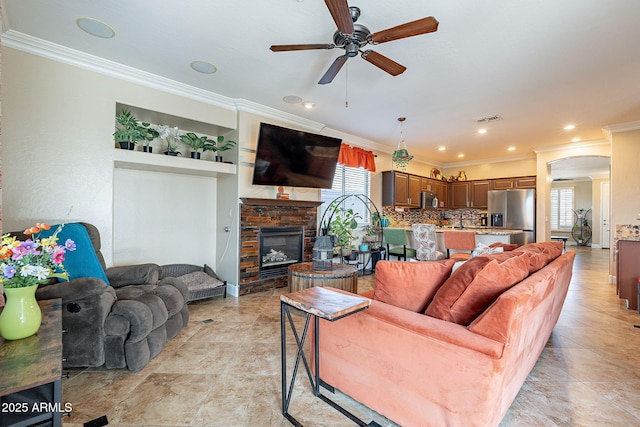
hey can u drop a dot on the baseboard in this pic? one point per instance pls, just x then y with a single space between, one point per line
612 279
233 290
596 246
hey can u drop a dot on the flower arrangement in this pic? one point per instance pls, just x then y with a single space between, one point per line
171 135
34 260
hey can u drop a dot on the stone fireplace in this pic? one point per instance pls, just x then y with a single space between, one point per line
286 226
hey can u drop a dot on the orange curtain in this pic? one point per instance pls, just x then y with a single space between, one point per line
357 157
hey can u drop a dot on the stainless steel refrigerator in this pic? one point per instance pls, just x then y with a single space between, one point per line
514 210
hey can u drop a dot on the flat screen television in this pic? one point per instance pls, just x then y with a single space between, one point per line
287 157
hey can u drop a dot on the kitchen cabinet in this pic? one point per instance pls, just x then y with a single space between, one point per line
459 195
512 183
525 182
479 192
628 270
401 189
469 194
502 184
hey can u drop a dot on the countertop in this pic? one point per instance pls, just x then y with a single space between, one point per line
478 230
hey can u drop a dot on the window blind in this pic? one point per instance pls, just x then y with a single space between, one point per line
562 208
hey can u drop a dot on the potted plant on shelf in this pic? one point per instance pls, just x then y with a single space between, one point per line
197 143
129 133
148 134
172 136
219 145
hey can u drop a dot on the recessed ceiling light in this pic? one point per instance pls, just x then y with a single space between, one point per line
442 148
511 148
576 139
308 104
95 28
460 155
569 127
292 99
204 67
482 131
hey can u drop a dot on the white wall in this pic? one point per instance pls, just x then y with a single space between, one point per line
59 153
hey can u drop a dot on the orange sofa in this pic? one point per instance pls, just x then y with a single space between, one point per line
420 370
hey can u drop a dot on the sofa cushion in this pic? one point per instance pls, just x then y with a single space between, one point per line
475 285
410 285
540 253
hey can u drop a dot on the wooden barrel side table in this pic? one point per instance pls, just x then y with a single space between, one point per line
341 276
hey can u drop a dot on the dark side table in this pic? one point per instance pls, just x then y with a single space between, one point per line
31 372
319 303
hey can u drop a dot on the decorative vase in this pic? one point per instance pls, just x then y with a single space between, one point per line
195 154
218 159
147 149
172 153
21 316
127 145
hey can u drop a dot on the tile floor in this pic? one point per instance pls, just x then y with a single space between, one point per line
227 372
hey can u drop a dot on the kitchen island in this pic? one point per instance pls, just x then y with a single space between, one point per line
484 235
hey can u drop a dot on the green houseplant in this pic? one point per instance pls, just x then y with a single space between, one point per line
197 143
342 224
219 145
130 131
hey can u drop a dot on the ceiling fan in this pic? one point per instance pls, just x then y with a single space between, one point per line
354 37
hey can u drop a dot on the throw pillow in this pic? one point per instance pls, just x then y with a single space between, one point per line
83 262
461 300
541 253
410 285
505 246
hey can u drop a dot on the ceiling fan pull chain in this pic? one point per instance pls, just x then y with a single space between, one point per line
346 88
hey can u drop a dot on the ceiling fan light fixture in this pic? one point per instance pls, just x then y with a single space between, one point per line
95 28
204 67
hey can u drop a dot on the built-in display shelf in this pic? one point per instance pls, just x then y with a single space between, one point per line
139 160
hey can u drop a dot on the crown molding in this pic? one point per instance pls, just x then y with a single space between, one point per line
489 160
609 130
272 113
33 45
570 146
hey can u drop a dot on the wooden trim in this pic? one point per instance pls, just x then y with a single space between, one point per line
278 202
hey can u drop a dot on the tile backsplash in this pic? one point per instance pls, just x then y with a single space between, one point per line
407 217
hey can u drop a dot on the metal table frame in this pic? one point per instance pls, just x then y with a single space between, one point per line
314 380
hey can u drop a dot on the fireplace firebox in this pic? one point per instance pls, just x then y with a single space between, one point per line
279 248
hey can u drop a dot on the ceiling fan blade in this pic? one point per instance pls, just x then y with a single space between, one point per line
410 29
289 47
333 70
384 63
339 10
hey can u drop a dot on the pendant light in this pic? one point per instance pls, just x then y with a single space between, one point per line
401 156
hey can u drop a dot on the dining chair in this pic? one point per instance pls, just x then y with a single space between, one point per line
459 241
400 239
424 236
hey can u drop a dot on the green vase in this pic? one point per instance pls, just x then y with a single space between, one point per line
21 316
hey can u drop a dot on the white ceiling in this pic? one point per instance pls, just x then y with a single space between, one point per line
538 64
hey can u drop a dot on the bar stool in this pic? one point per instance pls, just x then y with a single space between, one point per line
460 241
398 237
